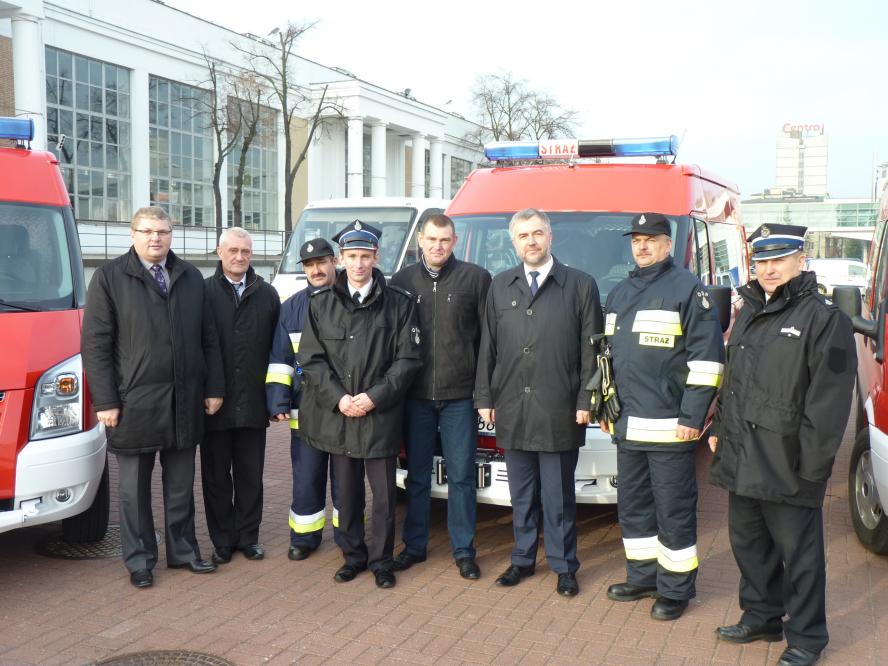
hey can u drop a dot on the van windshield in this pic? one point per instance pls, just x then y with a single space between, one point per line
35 262
592 242
327 222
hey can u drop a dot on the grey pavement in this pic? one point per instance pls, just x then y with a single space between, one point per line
57 611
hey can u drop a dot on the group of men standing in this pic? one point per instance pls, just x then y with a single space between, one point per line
359 365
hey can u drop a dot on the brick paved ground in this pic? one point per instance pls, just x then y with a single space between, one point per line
275 611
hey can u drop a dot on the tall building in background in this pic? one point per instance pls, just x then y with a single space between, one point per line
802 159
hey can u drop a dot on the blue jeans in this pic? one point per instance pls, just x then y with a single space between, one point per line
458 424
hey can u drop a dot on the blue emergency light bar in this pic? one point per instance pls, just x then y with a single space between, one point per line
17 129
559 149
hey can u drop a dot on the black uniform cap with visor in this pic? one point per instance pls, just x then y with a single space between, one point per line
358 236
315 249
650 224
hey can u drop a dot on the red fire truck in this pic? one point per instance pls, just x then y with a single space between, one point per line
52 450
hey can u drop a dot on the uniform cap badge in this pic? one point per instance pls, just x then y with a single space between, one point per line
765 232
358 226
309 248
642 220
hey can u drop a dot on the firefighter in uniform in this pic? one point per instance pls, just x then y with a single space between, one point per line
360 353
778 425
667 362
282 388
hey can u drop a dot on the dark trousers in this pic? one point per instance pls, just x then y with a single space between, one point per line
779 550
542 485
657 504
231 464
308 511
137 519
457 421
349 473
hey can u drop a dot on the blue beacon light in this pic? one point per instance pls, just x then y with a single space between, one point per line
17 129
566 148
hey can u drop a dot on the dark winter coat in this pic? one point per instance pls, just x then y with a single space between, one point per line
786 396
155 357
536 358
245 330
348 349
450 309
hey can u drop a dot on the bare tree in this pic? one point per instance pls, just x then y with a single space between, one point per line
275 66
246 106
546 119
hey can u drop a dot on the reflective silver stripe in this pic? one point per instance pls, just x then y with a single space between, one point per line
705 373
294 414
306 520
643 548
294 340
679 561
610 324
652 430
280 369
666 322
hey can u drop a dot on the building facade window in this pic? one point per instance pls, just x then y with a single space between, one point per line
180 151
88 129
459 171
259 200
367 166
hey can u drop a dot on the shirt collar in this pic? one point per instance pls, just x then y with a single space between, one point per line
149 264
364 291
543 271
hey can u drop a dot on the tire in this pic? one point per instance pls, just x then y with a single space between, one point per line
870 522
92 524
860 414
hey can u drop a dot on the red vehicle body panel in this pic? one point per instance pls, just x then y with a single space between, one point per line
25 178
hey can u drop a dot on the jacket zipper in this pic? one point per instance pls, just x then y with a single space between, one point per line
434 337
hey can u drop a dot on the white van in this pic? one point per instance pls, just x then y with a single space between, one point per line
838 273
394 216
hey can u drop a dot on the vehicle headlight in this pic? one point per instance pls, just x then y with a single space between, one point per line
58 400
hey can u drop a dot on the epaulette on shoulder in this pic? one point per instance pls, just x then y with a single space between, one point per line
322 290
399 290
825 300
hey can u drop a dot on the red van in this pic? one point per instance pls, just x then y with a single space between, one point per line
52 450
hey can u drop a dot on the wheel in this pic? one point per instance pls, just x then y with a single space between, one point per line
92 524
869 520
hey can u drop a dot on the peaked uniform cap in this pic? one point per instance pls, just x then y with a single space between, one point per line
315 248
358 236
772 241
650 224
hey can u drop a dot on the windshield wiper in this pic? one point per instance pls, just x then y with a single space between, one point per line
19 306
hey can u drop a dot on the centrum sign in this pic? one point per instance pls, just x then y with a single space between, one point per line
815 128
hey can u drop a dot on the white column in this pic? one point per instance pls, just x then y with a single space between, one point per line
139 157
445 176
355 167
377 159
29 73
435 164
417 173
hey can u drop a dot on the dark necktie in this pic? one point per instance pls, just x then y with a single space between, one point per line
534 285
238 286
159 278
356 297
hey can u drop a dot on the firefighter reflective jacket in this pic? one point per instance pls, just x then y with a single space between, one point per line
283 380
668 354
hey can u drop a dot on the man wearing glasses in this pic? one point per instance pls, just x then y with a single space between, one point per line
152 356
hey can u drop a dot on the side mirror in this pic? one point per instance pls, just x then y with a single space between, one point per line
848 301
721 297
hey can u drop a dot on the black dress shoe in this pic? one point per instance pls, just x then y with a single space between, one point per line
347 573
297 553
630 592
385 578
468 569
142 578
668 609
195 566
404 560
567 585
513 575
796 656
742 633
221 555
253 552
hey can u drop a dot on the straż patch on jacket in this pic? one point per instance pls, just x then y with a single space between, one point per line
791 332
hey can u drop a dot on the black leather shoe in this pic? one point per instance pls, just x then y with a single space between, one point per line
297 553
630 592
385 578
567 585
195 566
221 555
347 573
253 552
796 656
468 569
742 633
404 560
513 575
142 578
668 609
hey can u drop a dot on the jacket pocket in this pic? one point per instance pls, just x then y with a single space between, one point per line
772 417
331 333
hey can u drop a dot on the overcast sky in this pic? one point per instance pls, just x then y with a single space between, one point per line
725 81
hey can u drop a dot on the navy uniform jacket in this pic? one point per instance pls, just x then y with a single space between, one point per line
283 380
668 355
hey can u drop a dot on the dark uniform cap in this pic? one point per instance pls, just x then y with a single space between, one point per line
358 236
314 249
650 224
772 241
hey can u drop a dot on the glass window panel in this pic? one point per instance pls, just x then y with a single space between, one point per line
83 182
112 186
110 77
82 212
97 188
175 116
186 216
82 96
123 106
198 147
66 123
65 70
186 145
66 153
152 112
52 87
163 114
81 69
52 121
97 155
187 172
82 156
96 131
66 93
52 61
112 130
111 103
124 134
198 217
95 73
111 160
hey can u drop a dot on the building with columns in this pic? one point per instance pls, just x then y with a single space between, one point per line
116 90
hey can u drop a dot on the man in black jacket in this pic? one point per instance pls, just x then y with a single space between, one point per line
152 357
359 352
232 457
535 361
450 298
779 423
